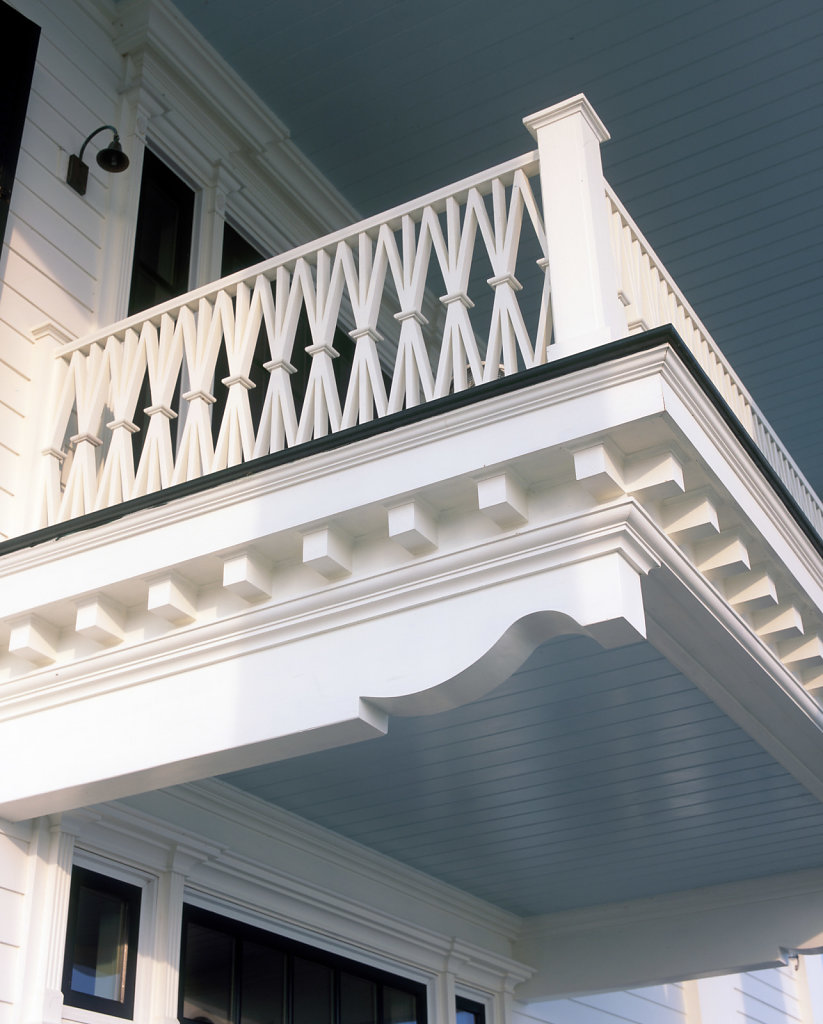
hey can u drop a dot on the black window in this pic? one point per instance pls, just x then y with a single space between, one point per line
232 973
100 961
16 70
162 241
469 1012
162 257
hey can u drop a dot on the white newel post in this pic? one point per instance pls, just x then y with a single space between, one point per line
585 307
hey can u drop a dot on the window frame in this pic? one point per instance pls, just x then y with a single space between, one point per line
292 949
131 895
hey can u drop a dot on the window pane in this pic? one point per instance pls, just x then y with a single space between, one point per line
162 244
100 945
469 1012
237 254
208 975
312 992
262 988
399 1007
468 1017
358 1000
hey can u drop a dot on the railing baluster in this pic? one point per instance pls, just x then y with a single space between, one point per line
164 355
91 385
127 364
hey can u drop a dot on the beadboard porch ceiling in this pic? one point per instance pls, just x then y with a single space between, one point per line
588 777
715 111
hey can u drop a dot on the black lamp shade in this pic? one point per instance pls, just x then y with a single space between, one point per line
112 158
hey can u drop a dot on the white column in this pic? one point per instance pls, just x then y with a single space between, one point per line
444 1009
207 245
585 306
166 953
50 884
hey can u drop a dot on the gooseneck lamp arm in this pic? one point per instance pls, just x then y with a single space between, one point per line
111 159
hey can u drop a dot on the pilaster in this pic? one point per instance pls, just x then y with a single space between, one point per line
54 851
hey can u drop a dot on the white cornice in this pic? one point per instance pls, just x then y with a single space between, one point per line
701 422
741 926
679 904
419 583
290 890
232 805
183 65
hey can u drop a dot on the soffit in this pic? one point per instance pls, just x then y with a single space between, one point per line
590 776
715 111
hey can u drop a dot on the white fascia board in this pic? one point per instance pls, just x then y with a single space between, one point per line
741 926
371 472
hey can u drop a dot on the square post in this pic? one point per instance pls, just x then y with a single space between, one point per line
586 310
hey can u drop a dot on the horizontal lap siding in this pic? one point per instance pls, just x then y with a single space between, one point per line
813 966
51 257
661 1004
14 854
770 997
759 997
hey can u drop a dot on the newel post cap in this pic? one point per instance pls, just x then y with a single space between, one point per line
567 108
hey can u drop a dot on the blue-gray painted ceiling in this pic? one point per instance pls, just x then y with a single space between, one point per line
715 110
590 776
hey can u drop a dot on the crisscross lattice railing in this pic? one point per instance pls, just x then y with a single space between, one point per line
428 298
431 301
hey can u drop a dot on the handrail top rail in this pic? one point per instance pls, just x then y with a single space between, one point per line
528 163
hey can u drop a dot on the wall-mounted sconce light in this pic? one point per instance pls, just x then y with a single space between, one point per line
111 159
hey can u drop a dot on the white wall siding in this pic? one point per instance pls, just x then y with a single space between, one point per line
758 997
14 868
66 258
659 1004
813 969
51 256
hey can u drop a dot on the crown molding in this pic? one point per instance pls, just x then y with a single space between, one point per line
221 116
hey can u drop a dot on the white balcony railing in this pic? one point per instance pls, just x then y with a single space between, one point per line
652 299
463 243
436 295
